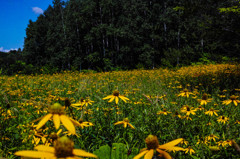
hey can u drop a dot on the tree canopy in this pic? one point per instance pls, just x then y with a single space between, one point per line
127 34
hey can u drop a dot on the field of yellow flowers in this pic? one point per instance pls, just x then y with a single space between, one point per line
188 112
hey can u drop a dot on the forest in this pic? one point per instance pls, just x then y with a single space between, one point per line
105 35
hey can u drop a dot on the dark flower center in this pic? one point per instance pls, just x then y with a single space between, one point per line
116 93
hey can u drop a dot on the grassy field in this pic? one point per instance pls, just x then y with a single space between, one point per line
197 103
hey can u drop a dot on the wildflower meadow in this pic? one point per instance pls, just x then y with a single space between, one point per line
190 112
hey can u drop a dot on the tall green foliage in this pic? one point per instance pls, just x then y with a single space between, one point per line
105 34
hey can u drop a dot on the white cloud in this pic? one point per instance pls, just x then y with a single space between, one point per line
6 50
37 10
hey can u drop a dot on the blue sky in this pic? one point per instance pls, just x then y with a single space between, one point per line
14 18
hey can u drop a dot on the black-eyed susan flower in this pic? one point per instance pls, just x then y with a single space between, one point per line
63 148
56 112
115 96
79 104
188 110
83 124
237 122
164 112
153 144
211 137
222 119
189 150
200 108
176 114
204 99
233 99
185 93
211 112
125 122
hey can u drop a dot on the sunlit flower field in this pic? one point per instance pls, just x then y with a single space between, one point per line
184 113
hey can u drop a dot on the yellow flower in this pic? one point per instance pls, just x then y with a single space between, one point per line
185 93
56 111
204 99
233 99
177 114
115 96
164 112
222 119
237 122
188 110
189 150
63 148
200 108
79 104
211 137
211 112
125 122
83 124
152 145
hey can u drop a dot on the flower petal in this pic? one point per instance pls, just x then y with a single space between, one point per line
164 154
149 154
111 99
110 96
45 148
116 99
56 121
119 122
141 154
170 145
74 157
83 153
43 121
34 154
67 123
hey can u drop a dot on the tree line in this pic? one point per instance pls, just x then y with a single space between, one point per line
125 34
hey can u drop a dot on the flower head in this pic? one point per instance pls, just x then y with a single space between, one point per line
222 119
204 99
233 99
185 93
125 122
57 113
188 110
164 112
115 96
153 144
211 112
63 148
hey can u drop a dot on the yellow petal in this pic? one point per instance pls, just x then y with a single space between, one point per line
111 99
149 154
34 154
83 153
131 126
171 144
74 157
141 154
45 148
43 121
119 122
67 123
110 96
116 99
56 121
124 98
125 124
164 154
235 103
75 122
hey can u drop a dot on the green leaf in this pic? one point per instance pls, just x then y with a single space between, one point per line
117 151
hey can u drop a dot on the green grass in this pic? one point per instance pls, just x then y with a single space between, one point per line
149 91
